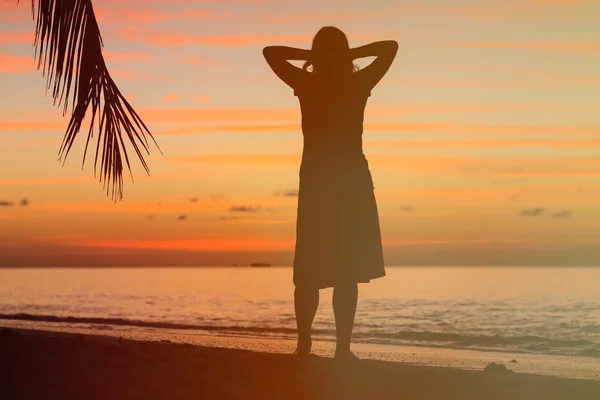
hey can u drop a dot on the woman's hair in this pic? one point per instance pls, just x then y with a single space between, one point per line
330 47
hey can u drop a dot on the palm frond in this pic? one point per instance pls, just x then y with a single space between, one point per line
68 48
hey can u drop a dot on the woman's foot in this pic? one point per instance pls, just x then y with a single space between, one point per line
303 348
345 356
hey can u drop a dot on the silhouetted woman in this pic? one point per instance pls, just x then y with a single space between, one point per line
338 240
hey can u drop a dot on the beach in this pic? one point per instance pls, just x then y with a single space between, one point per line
421 333
59 365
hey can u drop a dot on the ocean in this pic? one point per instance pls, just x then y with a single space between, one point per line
551 311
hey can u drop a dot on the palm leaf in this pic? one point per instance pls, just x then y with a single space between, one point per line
68 48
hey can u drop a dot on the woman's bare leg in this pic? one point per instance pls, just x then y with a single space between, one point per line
345 298
306 302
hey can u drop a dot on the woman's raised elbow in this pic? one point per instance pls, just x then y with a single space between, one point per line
268 52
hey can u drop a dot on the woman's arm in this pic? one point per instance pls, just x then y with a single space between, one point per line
385 51
375 49
277 57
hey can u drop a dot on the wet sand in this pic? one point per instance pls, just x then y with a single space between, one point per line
58 365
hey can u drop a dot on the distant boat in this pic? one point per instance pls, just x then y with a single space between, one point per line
258 264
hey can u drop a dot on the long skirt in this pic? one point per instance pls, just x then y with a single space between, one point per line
338 238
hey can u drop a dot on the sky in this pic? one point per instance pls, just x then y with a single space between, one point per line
483 139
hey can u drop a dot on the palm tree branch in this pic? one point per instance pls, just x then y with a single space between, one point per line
68 48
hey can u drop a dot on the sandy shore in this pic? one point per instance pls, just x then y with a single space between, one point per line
470 359
58 365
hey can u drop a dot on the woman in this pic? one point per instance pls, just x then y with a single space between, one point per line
338 240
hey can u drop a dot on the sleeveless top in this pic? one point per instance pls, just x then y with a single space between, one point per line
332 126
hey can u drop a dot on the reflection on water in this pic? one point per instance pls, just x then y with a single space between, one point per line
539 310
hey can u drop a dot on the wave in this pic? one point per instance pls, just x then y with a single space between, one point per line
524 344
144 324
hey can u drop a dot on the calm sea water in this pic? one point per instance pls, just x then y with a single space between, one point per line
533 310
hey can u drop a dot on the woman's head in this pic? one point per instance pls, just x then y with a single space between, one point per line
330 53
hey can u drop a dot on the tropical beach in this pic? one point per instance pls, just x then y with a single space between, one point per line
66 366
192 326
299 200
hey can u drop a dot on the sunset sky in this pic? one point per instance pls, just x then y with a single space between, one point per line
483 139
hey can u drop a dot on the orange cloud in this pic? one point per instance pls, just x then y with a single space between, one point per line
195 2
406 242
266 221
267 116
146 15
298 16
15 14
133 75
224 115
485 166
16 38
483 128
170 97
17 64
244 159
43 181
549 194
407 144
522 82
166 38
397 127
30 126
139 207
203 244
42 142
141 177
258 243
490 166
531 45
501 11
512 75
427 108
131 56
195 61
231 128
